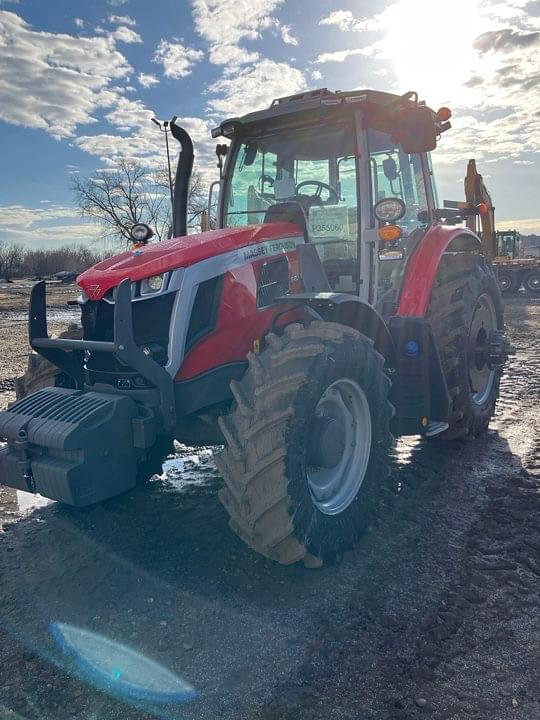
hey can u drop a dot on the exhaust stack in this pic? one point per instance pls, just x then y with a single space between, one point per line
182 179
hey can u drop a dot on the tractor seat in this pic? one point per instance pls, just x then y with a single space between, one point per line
290 212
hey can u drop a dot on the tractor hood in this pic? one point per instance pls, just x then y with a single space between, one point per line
176 253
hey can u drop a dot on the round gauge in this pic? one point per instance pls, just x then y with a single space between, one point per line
390 209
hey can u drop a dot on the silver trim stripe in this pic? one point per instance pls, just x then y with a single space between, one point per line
194 275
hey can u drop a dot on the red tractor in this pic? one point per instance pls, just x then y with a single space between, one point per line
334 308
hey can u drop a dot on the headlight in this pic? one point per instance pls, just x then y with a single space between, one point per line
389 210
152 284
141 233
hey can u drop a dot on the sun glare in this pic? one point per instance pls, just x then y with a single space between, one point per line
430 44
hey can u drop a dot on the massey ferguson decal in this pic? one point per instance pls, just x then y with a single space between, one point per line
271 247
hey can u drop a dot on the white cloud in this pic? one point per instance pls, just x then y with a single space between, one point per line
126 35
122 20
287 35
223 24
147 80
338 56
55 81
117 3
79 22
249 81
254 88
526 226
51 225
345 20
129 114
316 75
144 143
176 58
232 56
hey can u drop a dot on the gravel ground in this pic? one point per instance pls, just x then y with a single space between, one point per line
434 615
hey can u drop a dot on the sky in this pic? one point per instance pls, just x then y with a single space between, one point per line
80 82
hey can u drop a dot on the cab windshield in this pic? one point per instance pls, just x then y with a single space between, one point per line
306 176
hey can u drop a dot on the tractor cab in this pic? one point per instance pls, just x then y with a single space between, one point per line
351 170
508 244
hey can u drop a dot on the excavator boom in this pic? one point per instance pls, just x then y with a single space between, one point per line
476 193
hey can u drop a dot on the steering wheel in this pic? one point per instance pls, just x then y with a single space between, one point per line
265 179
333 197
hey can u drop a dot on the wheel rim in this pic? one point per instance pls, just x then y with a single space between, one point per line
504 283
343 406
481 375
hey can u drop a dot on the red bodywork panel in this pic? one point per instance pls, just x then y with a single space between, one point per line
422 269
239 322
176 253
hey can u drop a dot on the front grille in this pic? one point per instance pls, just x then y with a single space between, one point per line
151 321
273 281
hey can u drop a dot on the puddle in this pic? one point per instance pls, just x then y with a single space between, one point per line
188 468
28 502
60 315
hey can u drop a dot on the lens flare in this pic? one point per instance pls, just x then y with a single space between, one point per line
118 669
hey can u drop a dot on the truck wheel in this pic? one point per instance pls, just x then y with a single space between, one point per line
41 373
307 443
508 281
531 281
465 313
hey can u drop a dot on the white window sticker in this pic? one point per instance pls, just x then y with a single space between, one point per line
329 222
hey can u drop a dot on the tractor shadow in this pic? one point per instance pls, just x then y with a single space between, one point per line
159 570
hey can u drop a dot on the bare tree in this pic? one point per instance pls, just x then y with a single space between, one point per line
130 194
11 259
40 263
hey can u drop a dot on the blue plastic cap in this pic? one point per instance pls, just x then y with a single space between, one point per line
412 348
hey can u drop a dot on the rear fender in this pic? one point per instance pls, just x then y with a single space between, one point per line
424 263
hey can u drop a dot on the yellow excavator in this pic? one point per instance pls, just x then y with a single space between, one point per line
505 247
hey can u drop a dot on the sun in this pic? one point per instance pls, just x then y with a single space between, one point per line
430 45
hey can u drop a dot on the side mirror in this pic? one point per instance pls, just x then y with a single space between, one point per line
250 154
390 169
416 129
211 214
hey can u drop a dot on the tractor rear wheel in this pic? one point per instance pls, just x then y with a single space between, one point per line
466 317
41 373
531 281
307 443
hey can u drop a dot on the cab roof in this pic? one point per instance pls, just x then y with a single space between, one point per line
310 101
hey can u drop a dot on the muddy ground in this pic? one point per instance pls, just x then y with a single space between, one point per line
435 614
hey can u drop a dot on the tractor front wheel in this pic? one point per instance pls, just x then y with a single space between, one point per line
307 443
41 373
